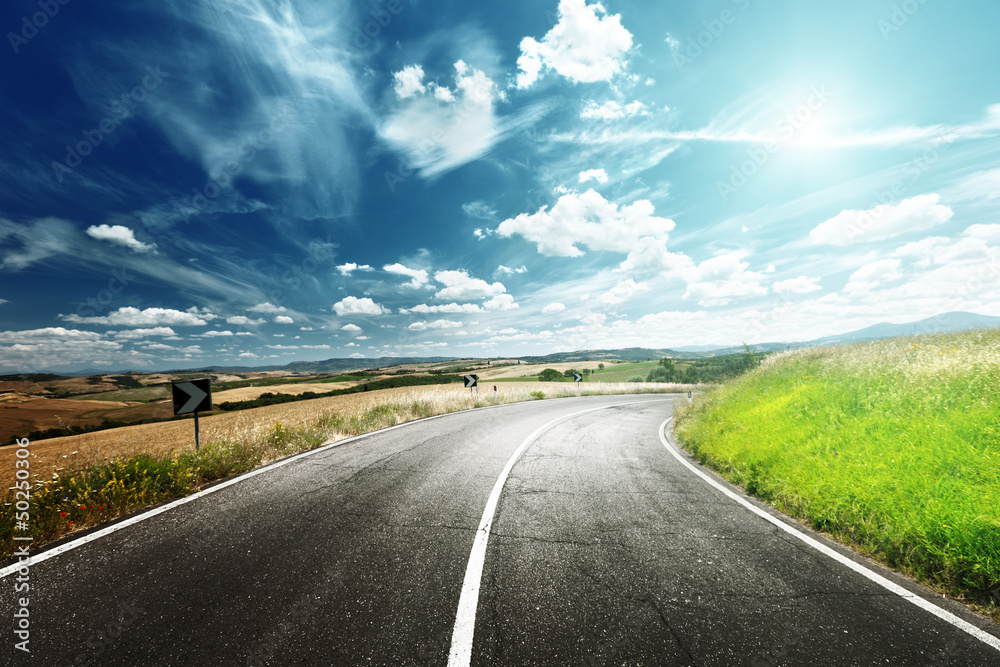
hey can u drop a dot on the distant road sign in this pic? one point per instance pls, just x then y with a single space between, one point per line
577 377
471 381
193 396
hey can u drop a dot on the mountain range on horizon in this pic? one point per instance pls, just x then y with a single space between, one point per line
943 323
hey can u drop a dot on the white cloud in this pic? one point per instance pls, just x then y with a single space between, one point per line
585 45
553 308
267 307
3 301
650 255
346 269
501 302
722 279
506 270
283 319
480 210
623 291
51 346
119 235
424 309
409 81
460 286
315 347
882 222
436 324
418 277
356 355
133 317
598 175
354 306
244 320
800 285
132 334
612 110
873 275
248 355
438 133
587 219
216 334
353 328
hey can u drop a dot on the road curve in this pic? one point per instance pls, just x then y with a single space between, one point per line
603 550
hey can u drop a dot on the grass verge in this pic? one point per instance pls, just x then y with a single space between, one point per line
892 446
77 498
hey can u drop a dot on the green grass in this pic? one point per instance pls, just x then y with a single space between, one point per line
893 446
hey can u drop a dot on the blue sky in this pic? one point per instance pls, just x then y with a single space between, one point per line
255 182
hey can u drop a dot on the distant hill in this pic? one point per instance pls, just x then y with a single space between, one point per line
946 322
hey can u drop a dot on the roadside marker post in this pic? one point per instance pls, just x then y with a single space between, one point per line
577 377
471 383
193 396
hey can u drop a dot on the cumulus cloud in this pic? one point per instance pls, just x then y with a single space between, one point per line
424 309
501 302
217 334
283 319
347 269
874 275
585 45
506 270
612 110
409 81
623 291
267 307
800 285
133 334
587 219
440 132
418 277
598 175
722 279
244 320
133 317
354 306
460 286
882 222
120 235
351 328
436 324
553 308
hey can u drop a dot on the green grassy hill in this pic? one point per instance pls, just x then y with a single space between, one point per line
892 445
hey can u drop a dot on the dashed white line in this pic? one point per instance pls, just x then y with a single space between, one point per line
944 615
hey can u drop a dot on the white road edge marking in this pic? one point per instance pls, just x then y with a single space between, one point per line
468 602
944 615
96 535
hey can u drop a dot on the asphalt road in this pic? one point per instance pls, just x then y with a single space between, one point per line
604 550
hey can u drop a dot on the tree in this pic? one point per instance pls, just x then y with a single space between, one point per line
635 378
670 371
660 374
549 375
691 375
600 367
586 371
570 373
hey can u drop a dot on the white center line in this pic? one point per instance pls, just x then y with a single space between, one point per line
965 626
465 619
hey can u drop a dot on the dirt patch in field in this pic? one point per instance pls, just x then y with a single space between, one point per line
250 393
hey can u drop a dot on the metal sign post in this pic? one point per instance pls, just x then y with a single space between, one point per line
194 396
